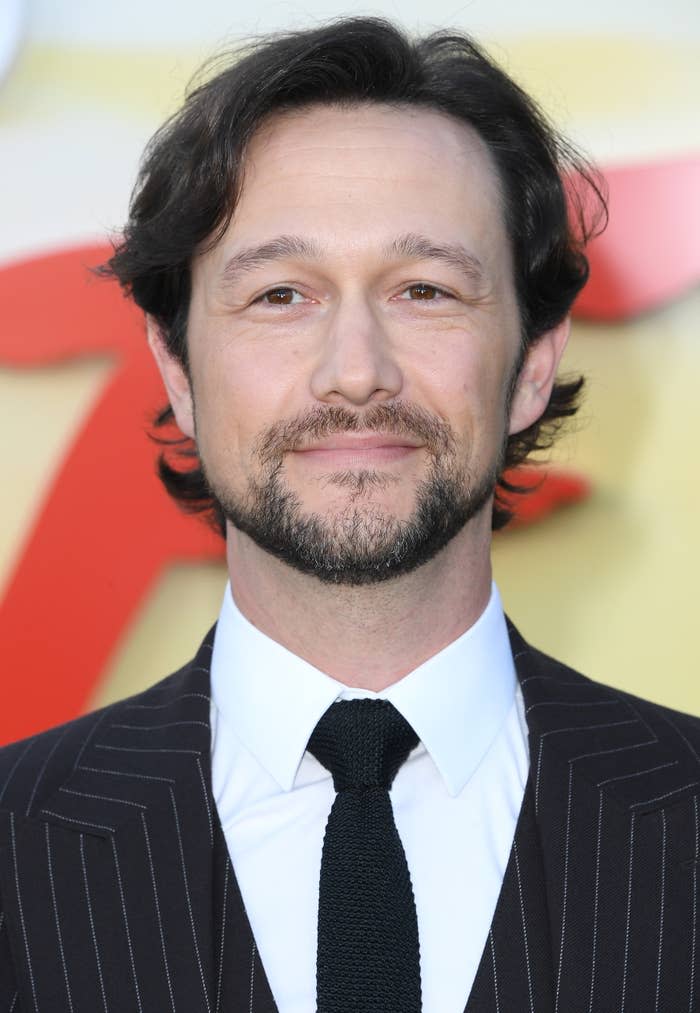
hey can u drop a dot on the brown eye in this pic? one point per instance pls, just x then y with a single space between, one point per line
280 296
422 291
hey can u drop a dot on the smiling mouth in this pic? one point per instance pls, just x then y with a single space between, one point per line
353 451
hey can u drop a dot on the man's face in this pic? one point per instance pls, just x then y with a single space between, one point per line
353 338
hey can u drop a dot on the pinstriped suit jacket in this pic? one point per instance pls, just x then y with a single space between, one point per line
117 892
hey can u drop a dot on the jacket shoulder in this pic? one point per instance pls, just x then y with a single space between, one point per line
32 769
634 748
685 725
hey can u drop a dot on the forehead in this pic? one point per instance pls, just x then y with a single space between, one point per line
364 129
351 179
357 151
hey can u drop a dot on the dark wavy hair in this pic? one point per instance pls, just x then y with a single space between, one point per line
190 179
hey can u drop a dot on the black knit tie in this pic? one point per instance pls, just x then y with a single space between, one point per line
368 956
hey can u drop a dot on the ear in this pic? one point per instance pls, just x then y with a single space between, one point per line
175 378
537 376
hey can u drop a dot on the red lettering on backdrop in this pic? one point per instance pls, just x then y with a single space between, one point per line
650 252
106 530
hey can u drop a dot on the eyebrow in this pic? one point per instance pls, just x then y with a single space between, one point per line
276 249
411 246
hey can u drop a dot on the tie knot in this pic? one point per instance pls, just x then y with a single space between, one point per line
362 743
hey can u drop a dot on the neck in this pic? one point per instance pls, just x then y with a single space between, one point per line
369 636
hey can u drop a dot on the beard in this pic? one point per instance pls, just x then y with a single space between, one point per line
363 543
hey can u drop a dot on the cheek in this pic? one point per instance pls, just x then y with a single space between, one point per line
462 382
240 391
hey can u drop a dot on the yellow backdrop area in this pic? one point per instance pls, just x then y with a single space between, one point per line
609 586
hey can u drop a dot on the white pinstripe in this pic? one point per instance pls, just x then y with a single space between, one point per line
595 901
575 728
21 912
157 905
2 919
617 749
637 773
146 749
680 734
524 924
252 977
204 671
15 765
88 738
80 823
495 976
537 778
92 923
553 678
171 703
42 771
566 886
695 907
126 925
661 912
573 703
128 773
635 710
223 932
101 798
56 918
660 798
206 799
166 724
629 915
189 902
14 1001
590 728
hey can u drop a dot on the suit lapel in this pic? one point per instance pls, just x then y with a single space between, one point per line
611 799
137 827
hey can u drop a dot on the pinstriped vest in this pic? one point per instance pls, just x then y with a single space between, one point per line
117 893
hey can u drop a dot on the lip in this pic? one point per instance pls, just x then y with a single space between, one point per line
360 442
349 450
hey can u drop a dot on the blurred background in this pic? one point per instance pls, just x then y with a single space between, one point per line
104 587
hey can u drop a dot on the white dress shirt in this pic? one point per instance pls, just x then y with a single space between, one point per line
456 799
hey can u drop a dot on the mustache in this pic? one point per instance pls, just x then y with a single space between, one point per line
400 418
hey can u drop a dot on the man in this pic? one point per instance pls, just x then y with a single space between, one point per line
354 257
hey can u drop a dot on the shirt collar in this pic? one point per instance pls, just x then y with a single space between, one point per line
272 699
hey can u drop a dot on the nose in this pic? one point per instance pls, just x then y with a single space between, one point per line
356 363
